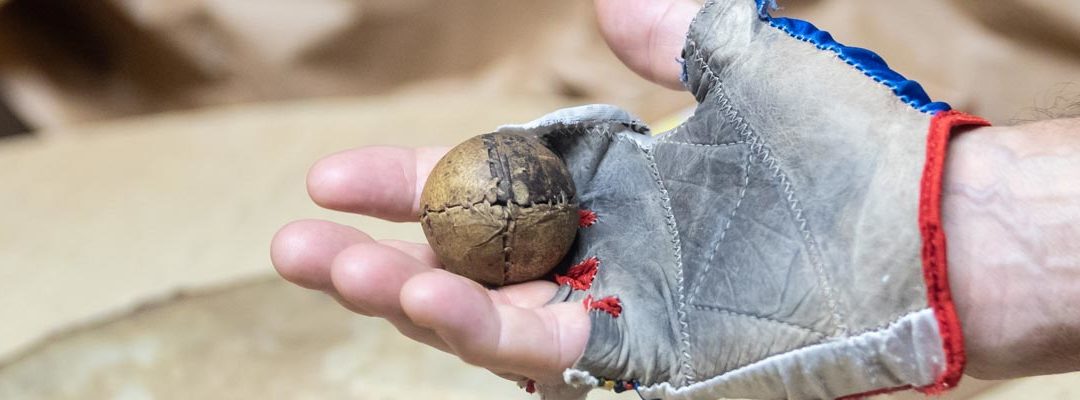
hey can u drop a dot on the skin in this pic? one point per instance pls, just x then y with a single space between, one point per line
1011 210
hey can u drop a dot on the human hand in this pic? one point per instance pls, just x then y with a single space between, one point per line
648 35
511 332
508 330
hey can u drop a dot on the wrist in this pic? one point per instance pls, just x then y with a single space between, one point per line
1014 247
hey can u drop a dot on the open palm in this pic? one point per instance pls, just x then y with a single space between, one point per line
502 330
510 330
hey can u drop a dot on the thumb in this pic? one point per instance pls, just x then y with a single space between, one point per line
648 35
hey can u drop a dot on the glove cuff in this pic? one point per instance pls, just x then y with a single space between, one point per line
934 256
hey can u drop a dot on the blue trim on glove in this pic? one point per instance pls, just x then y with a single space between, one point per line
866 61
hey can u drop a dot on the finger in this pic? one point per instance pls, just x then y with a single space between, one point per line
531 294
367 278
509 376
404 325
420 251
349 306
383 182
538 343
423 335
302 251
370 276
648 35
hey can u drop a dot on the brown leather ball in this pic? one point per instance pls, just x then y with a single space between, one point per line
500 208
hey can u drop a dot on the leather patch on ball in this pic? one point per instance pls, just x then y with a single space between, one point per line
500 208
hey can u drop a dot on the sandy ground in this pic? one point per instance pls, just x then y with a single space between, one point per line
262 339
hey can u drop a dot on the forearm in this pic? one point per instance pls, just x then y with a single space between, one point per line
1012 217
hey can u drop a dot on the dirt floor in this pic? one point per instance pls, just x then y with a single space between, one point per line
262 339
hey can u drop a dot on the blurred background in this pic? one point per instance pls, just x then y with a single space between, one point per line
150 148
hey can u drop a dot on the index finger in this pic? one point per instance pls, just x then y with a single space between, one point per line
383 182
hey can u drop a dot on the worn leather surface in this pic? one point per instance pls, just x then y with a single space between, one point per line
499 209
769 246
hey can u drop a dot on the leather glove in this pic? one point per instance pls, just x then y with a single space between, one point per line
784 242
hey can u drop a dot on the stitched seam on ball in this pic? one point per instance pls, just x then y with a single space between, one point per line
559 205
499 166
508 232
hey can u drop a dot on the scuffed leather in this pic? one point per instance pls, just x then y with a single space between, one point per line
766 248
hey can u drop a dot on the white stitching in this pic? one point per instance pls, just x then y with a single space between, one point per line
726 144
879 328
665 198
759 148
758 317
731 217
888 326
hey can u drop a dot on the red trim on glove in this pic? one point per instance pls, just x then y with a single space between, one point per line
935 261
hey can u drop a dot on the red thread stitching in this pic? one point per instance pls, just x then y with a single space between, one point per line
581 275
610 305
586 218
935 265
